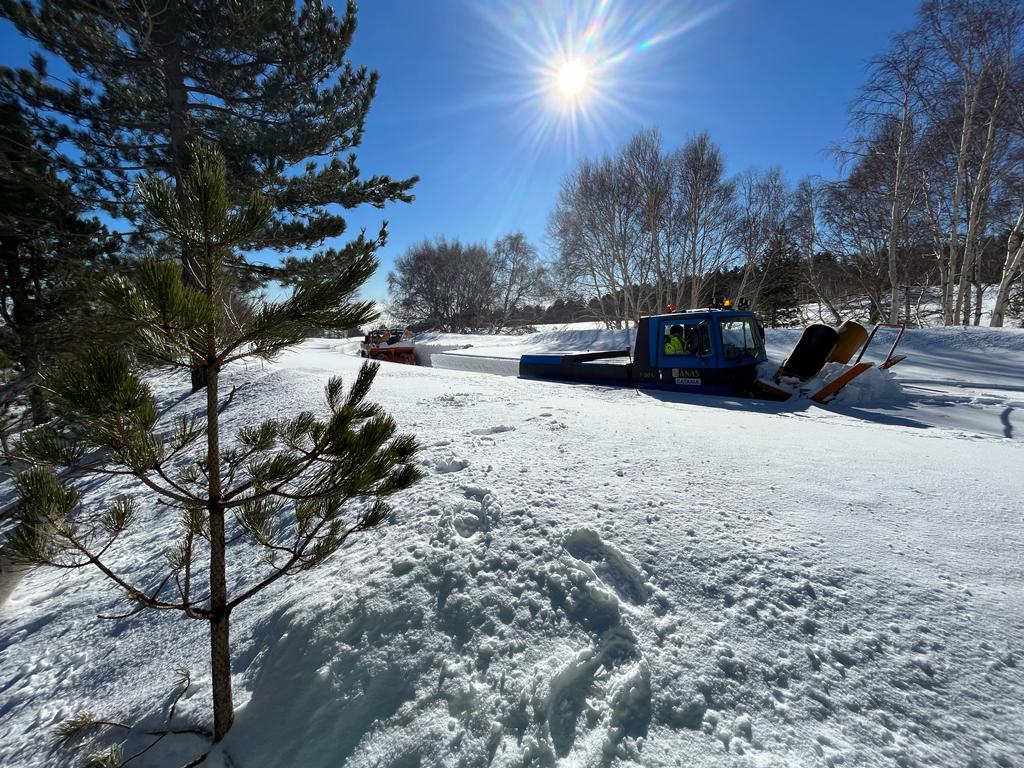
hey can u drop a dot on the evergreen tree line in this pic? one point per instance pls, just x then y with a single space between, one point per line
202 133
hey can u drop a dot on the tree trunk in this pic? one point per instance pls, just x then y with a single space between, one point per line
38 405
748 274
29 359
963 300
976 220
168 34
22 319
1014 256
970 99
895 218
220 648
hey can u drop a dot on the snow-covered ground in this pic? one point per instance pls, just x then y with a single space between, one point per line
591 576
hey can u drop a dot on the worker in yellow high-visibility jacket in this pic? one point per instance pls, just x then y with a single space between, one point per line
676 344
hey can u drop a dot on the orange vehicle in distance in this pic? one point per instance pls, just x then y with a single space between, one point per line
393 345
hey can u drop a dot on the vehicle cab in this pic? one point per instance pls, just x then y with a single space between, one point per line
711 351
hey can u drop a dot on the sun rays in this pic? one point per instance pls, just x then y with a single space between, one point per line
567 71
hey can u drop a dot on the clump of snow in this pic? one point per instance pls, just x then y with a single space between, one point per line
872 387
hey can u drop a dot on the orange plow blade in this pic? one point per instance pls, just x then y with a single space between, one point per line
830 390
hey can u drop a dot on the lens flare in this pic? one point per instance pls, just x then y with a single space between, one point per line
568 71
628 54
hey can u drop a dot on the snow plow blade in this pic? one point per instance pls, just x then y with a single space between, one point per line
769 390
830 390
403 355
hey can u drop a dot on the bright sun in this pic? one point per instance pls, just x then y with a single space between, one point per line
571 78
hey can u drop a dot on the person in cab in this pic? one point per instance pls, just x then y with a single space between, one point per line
675 342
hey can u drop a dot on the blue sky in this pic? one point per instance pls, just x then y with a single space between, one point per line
465 103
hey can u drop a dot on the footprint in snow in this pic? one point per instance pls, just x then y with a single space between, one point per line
479 515
447 466
544 415
596 678
609 564
492 430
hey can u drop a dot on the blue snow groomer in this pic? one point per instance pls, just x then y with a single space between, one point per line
712 351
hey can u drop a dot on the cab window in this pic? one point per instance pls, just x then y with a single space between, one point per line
741 338
693 340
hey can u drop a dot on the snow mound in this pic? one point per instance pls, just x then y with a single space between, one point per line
873 387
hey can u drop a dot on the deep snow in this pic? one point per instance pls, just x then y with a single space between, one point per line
594 576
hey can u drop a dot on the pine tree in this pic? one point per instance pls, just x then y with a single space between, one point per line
294 489
51 259
266 81
778 275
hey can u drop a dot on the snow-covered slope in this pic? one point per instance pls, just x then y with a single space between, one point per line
593 576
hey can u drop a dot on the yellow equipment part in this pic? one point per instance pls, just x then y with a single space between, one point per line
851 336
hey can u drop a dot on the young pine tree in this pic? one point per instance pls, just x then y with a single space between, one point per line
291 490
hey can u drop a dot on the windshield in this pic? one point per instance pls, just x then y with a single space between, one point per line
741 338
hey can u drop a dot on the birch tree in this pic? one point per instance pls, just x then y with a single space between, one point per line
594 229
804 212
972 47
519 277
888 110
705 207
1013 264
763 207
650 170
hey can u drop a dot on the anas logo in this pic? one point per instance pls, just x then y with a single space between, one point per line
686 373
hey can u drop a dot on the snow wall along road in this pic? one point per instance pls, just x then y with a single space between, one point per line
500 355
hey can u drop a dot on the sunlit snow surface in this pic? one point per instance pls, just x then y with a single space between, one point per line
592 576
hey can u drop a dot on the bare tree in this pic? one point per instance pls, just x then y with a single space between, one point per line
651 173
705 207
763 205
804 213
1011 269
446 285
856 218
1014 193
887 112
519 277
594 229
971 47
